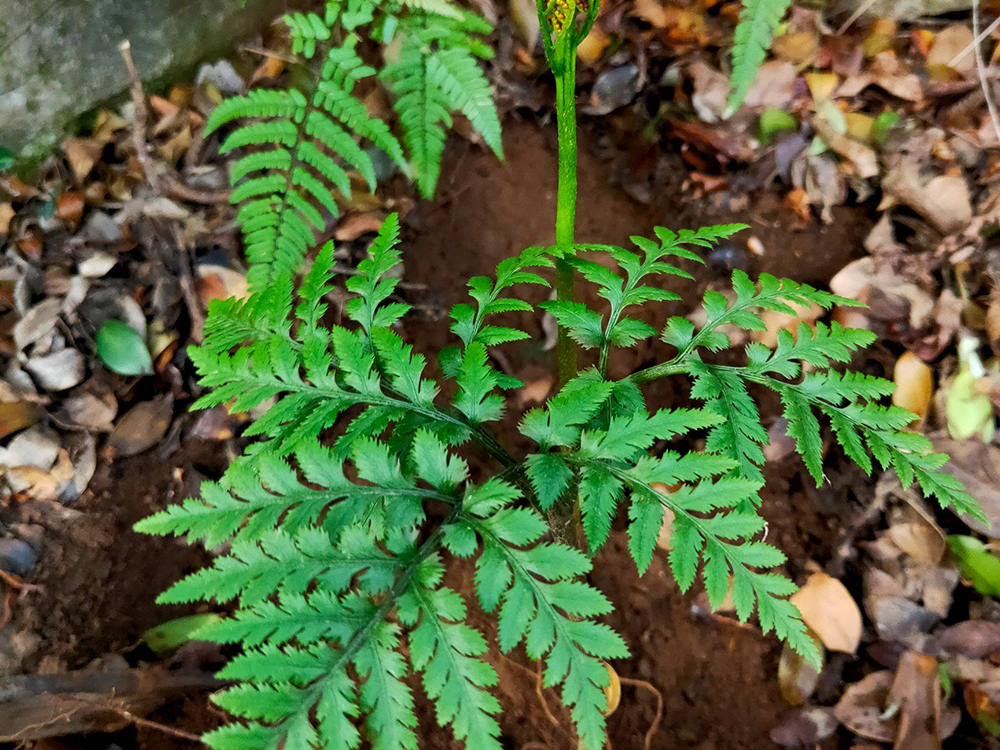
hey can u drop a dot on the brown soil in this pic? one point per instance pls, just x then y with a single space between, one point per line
717 679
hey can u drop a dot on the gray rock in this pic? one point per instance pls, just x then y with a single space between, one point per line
61 59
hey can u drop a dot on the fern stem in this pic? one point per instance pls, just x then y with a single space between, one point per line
564 67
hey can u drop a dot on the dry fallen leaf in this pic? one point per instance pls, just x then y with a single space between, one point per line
916 690
82 155
861 707
830 611
17 415
354 225
612 691
142 426
948 44
69 207
943 200
7 213
977 466
524 16
593 46
914 384
797 678
975 639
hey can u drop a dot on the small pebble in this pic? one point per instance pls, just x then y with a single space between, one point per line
17 557
729 256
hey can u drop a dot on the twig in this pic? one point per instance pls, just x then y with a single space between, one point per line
974 43
981 68
657 716
855 16
186 280
538 689
139 117
137 720
169 184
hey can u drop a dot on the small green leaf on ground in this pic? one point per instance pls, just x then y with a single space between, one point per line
979 566
174 633
122 349
774 121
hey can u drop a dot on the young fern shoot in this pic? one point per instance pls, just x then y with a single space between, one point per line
357 495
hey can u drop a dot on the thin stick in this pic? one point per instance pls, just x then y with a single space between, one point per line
139 117
855 16
538 688
974 43
186 279
657 716
137 720
170 184
981 68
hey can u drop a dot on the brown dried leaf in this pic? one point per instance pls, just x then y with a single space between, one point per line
142 427
975 639
917 691
943 200
82 155
830 611
17 415
797 679
977 466
861 707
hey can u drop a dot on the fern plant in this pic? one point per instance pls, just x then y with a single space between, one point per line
754 33
344 514
298 145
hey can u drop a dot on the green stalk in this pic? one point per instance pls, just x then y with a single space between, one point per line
565 74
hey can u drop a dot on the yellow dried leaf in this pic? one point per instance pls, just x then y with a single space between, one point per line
822 85
914 384
859 126
593 46
613 690
7 213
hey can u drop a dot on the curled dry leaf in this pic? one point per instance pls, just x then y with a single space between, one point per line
864 159
862 706
828 608
916 690
82 155
612 691
797 678
943 200
914 384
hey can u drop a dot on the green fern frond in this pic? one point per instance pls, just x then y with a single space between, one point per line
754 33
437 73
